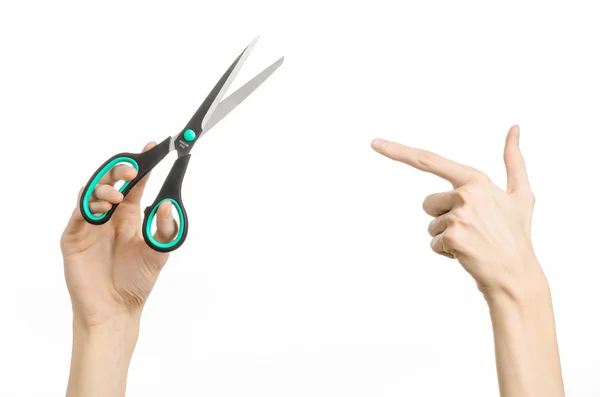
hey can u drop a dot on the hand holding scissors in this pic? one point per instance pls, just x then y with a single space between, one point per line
212 110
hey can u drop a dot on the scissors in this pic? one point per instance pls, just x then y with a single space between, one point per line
212 110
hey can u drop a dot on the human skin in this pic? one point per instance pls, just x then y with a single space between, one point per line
488 230
110 271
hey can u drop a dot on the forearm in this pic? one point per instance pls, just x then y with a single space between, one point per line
527 357
100 358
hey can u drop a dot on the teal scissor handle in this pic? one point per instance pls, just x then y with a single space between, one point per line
170 191
142 162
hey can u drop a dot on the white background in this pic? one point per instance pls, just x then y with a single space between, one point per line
307 269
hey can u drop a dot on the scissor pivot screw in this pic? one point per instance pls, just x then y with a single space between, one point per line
189 135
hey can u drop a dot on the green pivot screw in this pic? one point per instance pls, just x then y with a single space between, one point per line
189 135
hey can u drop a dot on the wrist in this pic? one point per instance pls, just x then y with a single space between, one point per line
523 294
98 318
526 285
121 330
101 356
527 299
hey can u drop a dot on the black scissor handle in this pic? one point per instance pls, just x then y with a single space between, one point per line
170 191
142 162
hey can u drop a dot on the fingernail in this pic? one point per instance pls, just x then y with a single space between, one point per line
378 144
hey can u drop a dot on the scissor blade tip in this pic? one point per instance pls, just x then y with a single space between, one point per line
253 42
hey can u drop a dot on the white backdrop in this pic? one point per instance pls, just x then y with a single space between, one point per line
307 269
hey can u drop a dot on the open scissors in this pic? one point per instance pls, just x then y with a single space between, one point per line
207 116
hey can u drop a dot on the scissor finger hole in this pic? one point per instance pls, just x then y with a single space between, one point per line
166 229
119 175
119 185
169 224
121 170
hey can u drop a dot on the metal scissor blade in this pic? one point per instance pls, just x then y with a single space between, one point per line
233 100
204 112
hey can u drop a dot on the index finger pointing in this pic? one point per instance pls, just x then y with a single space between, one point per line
455 173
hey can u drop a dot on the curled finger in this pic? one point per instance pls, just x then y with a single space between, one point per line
438 225
106 193
120 172
438 246
440 203
99 207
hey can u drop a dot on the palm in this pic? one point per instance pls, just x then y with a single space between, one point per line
109 267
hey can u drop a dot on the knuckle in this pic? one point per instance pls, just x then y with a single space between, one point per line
464 195
458 218
425 158
449 238
469 194
462 222
454 219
